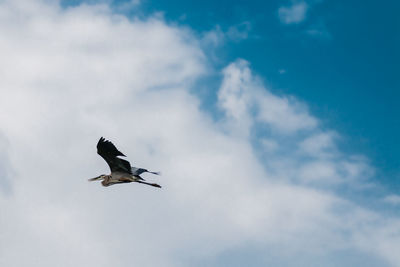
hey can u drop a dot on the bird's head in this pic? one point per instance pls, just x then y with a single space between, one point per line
101 177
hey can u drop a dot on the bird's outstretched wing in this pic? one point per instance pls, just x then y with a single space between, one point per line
110 154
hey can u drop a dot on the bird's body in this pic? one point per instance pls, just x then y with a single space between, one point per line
115 178
121 170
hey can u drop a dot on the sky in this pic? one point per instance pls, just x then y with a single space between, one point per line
340 57
273 125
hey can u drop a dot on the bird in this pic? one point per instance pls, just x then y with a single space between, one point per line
121 170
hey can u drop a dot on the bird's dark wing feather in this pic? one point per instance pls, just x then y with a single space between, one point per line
110 154
121 165
105 147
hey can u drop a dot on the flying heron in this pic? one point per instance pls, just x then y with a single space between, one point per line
121 170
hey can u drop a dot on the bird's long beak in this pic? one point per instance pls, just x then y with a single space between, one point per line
94 179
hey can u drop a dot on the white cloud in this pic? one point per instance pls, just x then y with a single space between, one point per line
243 97
214 37
318 145
296 13
392 199
69 76
6 171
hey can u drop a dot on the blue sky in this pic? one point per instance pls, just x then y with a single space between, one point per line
273 125
348 75
347 71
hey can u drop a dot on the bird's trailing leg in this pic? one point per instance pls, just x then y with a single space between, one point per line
155 185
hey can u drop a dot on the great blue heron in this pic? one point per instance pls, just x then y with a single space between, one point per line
121 170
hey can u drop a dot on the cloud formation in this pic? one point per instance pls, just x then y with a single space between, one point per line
243 98
293 14
259 177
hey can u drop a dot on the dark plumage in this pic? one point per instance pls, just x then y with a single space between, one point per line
110 154
121 170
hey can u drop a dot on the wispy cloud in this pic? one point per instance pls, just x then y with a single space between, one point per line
240 31
126 6
282 71
293 14
296 13
392 199
218 36
319 30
